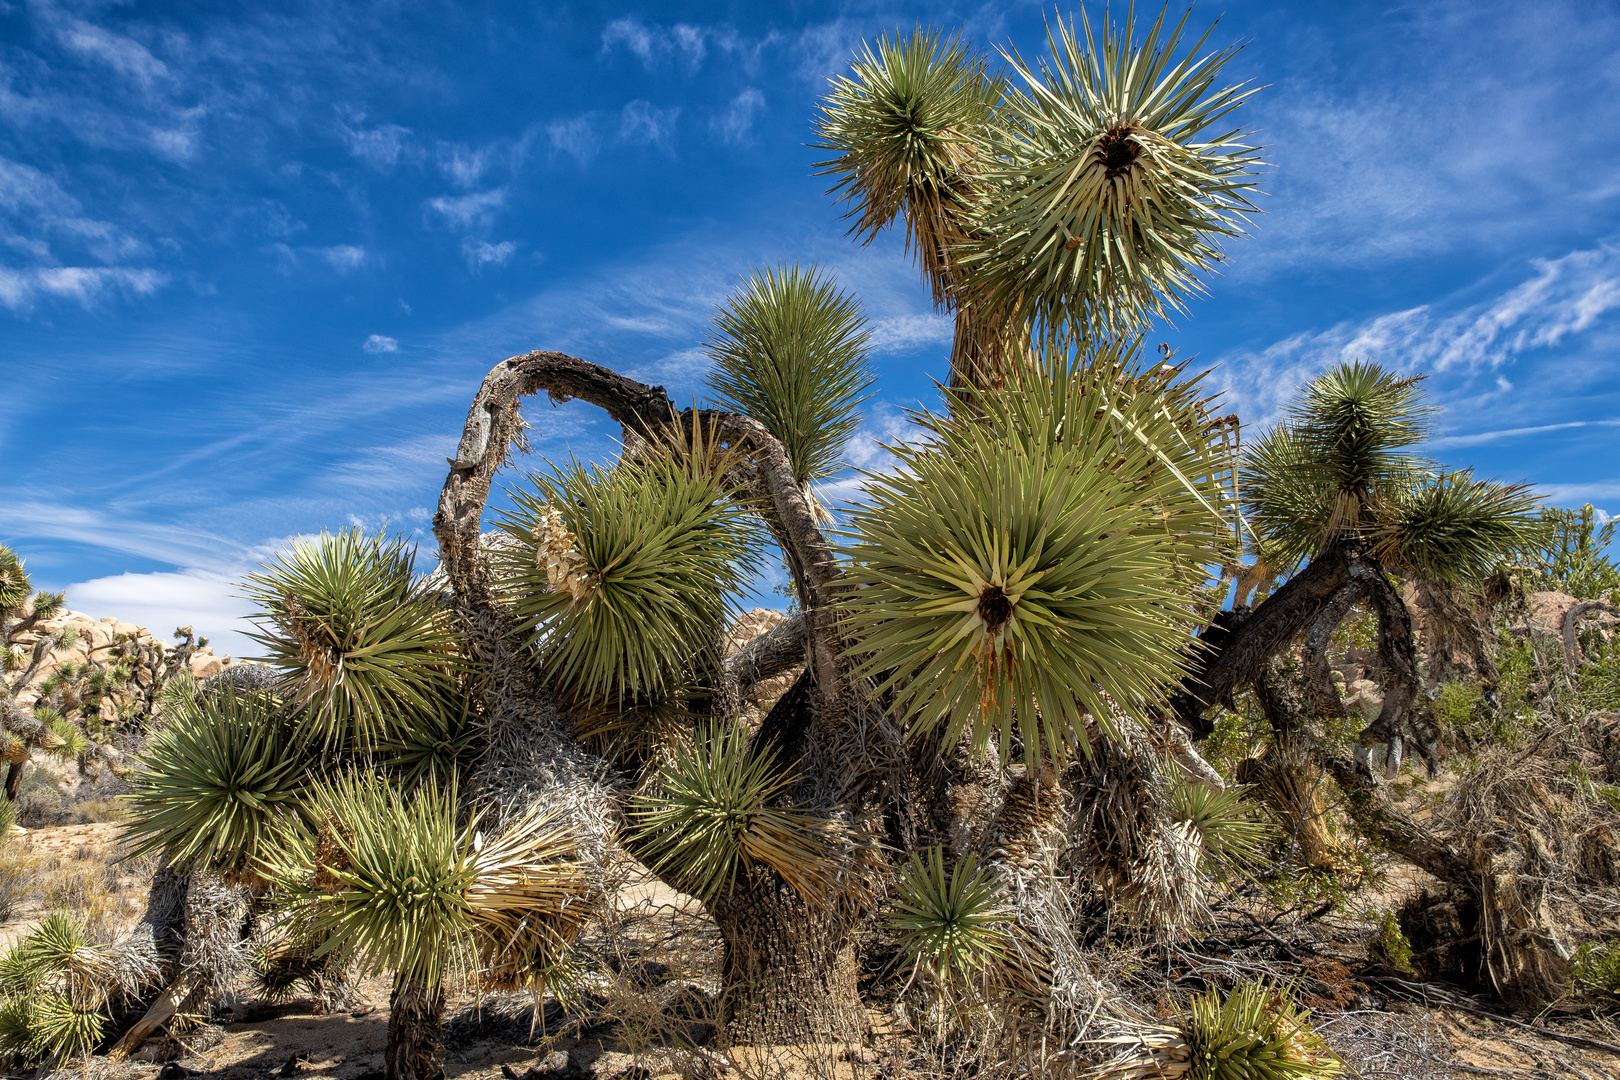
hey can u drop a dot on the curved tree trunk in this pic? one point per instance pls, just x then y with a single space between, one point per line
790 969
414 1049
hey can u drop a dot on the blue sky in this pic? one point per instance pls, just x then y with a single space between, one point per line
254 259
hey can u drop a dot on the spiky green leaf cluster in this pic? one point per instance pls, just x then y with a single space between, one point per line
1112 192
951 922
14 584
1235 834
709 822
390 878
1254 1033
1032 565
660 547
383 878
910 128
437 745
363 643
789 350
1341 467
53 990
213 783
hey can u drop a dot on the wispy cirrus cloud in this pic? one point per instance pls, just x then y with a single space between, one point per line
1476 345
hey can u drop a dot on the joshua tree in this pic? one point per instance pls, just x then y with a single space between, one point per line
1077 197
1337 490
981 654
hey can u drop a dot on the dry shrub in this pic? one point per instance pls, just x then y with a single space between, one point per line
1542 841
1291 784
17 870
80 886
98 811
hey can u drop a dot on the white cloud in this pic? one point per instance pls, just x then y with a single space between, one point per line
380 147
642 122
1482 438
378 343
343 258
576 138
161 601
481 253
898 333
652 43
1565 296
464 166
86 284
475 211
124 55
735 123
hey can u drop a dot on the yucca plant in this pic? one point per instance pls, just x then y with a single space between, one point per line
214 783
910 128
789 350
15 586
1115 183
709 823
1253 1033
621 577
53 988
1029 568
1235 835
433 745
361 640
390 879
952 922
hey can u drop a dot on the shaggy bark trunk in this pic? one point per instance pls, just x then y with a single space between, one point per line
414 1050
790 971
14 775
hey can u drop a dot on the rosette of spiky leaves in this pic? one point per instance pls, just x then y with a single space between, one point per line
390 879
1338 461
1341 466
530 898
709 821
383 877
14 584
1236 835
1116 180
1253 1033
1027 567
434 745
909 128
1454 528
951 922
213 783
55 982
661 548
789 350
363 642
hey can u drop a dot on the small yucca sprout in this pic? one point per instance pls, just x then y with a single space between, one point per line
656 549
952 923
708 824
361 640
57 1029
215 781
16 1024
1254 1033
1236 836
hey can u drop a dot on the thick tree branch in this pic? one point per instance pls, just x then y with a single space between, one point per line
777 650
1572 617
493 422
1241 655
